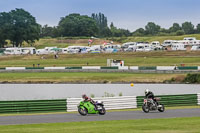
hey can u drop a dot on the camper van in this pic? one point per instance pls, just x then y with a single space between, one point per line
195 48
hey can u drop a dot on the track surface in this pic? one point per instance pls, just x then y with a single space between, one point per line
124 115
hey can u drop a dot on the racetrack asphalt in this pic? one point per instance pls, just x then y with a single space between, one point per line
75 117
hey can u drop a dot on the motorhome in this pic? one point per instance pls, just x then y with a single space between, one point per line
167 43
143 47
156 45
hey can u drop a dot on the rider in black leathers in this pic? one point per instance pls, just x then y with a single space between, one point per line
150 95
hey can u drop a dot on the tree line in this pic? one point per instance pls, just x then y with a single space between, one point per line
19 26
153 29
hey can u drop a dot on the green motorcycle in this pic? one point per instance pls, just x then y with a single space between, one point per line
86 107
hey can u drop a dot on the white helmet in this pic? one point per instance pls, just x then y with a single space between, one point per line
146 91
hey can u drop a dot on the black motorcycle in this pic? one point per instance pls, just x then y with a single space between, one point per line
151 105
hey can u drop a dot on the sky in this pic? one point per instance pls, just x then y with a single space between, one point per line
127 14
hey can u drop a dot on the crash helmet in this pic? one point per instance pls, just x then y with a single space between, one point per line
84 96
146 91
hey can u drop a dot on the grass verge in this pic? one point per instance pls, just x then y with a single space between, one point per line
85 77
167 125
169 58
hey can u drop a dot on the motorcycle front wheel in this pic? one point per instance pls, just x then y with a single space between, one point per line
102 111
162 108
145 108
82 111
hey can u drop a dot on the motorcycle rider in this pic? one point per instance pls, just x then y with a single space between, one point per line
87 99
150 95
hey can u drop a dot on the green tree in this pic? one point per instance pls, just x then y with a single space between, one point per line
5 28
198 28
176 27
101 22
77 25
23 27
139 32
46 31
152 29
188 28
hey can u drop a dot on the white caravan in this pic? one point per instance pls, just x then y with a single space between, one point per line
192 41
46 50
178 46
20 51
127 44
28 50
12 51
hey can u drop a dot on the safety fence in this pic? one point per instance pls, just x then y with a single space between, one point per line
32 106
123 102
173 100
155 68
70 104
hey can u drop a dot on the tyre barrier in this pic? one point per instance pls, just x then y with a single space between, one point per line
70 104
137 68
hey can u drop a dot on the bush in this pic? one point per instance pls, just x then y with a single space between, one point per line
192 78
180 32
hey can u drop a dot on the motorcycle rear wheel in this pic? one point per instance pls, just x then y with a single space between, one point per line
161 109
145 108
82 111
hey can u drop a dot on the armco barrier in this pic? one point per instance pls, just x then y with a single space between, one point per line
165 68
133 67
147 68
109 67
188 68
109 102
173 100
73 67
54 68
15 68
34 68
32 106
91 67
198 96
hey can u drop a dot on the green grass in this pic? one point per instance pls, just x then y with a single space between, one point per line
131 59
65 42
168 125
85 77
